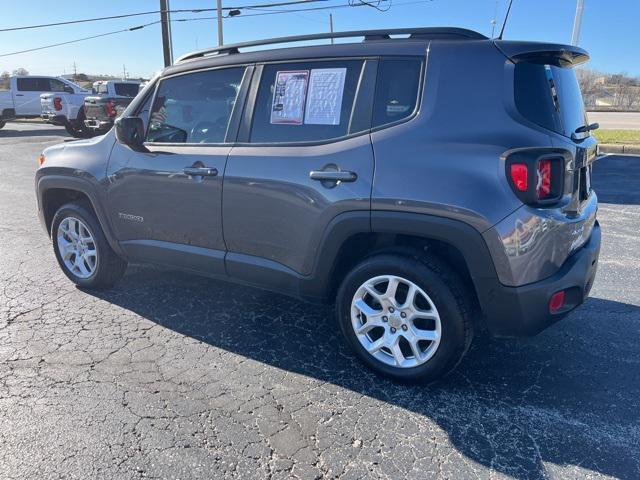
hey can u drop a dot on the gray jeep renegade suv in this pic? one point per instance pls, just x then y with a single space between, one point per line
430 182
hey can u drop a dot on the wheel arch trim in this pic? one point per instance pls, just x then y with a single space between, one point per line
84 186
456 233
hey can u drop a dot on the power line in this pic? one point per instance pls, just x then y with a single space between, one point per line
139 27
154 12
271 12
293 10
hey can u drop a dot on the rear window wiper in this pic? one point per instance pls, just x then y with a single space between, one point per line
584 129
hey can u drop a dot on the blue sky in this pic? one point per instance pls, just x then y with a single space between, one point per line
610 30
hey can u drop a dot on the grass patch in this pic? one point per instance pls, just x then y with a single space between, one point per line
618 136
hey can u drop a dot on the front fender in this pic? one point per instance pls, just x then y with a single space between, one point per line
79 182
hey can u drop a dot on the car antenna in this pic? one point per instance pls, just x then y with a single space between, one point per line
506 17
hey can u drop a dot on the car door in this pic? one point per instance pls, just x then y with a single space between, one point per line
304 156
27 95
165 204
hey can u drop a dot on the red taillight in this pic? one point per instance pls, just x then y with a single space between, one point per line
41 159
543 185
57 103
556 302
110 108
519 176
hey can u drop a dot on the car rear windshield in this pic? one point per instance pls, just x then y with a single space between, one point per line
127 89
549 96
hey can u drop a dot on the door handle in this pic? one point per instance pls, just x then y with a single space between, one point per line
19 94
200 171
333 176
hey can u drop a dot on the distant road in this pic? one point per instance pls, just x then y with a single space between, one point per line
616 120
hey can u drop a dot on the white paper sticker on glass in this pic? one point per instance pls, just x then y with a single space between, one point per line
289 94
324 102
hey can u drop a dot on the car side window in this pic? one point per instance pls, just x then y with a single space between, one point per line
56 85
194 107
305 101
28 84
397 88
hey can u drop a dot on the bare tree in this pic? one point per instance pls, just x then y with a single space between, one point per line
4 80
21 71
588 80
628 95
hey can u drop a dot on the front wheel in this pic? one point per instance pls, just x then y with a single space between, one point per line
81 249
406 318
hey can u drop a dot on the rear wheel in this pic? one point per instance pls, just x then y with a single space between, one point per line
406 318
76 128
82 250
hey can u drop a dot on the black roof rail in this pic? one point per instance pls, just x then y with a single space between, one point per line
369 35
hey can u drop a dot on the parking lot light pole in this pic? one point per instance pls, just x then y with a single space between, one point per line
219 15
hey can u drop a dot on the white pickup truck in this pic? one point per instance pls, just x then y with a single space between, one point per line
22 99
66 109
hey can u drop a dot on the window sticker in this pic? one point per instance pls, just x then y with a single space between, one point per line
289 95
326 87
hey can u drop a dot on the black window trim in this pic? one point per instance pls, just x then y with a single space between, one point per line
363 99
238 106
241 118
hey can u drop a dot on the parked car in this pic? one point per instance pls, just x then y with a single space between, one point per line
110 100
66 109
389 177
22 100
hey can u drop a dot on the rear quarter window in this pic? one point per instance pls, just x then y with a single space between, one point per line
397 88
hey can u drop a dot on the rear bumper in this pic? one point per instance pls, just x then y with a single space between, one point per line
97 124
524 311
54 119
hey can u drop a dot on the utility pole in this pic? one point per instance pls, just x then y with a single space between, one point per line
124 72
219 14
577 22
75 71
165 21
331 25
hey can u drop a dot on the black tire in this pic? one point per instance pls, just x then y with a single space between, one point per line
77 128
109 266
2 123
447 292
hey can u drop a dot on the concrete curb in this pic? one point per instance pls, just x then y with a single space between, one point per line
618 148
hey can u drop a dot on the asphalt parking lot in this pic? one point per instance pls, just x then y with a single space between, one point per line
174 376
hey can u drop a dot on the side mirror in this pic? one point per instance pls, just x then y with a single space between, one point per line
130 132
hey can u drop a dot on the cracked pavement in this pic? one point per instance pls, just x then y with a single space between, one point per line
170 375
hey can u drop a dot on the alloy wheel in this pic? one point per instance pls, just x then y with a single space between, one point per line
77 247
396 321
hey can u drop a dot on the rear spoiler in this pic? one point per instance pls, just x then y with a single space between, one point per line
547 53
